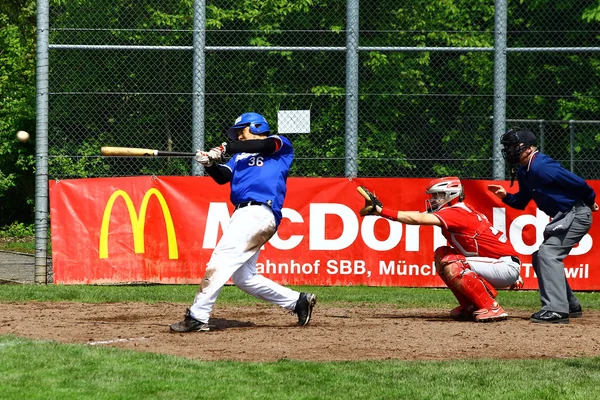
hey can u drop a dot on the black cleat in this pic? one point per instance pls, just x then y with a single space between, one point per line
576 312
304 307
550 317
189 324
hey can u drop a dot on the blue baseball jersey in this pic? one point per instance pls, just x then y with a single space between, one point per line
262 177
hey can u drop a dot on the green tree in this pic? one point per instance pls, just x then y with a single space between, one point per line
17 109
420 113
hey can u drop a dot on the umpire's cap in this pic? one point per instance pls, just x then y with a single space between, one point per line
517 136
257 123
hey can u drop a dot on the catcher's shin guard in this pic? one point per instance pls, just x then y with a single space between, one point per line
459 277
488 286
465 308
462 300
472 286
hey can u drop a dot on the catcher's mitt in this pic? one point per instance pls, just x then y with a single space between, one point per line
371 202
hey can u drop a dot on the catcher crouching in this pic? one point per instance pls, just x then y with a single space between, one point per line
478 260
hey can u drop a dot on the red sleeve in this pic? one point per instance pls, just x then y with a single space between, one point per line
451 217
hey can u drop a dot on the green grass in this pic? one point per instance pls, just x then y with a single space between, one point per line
27 247
399 297
18 237
50 370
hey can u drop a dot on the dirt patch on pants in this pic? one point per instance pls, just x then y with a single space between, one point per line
267 333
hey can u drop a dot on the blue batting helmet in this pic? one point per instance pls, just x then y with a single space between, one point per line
257 123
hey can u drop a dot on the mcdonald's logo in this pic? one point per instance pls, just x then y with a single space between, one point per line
138 222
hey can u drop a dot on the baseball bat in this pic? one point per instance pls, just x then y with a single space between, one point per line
137 152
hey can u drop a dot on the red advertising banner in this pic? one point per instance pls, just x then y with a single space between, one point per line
163 230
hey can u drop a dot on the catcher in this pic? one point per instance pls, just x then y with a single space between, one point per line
478 260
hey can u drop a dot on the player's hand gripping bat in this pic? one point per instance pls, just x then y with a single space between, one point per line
137 152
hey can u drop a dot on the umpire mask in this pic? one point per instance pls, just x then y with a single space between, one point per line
515 142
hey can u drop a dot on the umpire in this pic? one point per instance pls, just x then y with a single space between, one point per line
564 196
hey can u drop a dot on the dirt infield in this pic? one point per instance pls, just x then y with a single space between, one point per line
266 333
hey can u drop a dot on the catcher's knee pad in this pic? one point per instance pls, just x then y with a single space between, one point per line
451 266
449 262
458 275
442 252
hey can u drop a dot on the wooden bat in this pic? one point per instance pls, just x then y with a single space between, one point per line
136 152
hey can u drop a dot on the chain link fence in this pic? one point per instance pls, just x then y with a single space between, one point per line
573 143
122 74
411 89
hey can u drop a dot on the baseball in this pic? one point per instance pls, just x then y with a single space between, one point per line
22 136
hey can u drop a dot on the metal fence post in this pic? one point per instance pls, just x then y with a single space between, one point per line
542 128
41 142
198 81
352 33
499 86
572 143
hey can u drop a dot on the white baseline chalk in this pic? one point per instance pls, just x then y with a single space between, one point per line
100 342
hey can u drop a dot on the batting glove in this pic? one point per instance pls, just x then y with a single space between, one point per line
216 153
203 158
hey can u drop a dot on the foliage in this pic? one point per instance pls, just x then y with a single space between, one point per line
420 113
592 13
17 108
18 237
17 230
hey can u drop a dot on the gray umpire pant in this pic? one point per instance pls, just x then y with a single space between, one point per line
560 235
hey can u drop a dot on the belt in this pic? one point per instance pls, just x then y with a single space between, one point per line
516 259
250 203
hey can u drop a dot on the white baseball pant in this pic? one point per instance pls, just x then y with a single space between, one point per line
235 257
499 272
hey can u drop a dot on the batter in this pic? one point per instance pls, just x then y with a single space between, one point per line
257 173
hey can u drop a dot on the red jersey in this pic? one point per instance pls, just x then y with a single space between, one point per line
470 232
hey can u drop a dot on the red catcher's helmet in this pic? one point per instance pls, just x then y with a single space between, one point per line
442 192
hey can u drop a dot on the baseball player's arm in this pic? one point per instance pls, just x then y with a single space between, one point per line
220 173
374 206
409 217
518 200
498 190
263 146
417 218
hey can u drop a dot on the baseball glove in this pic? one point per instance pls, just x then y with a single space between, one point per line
371 202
